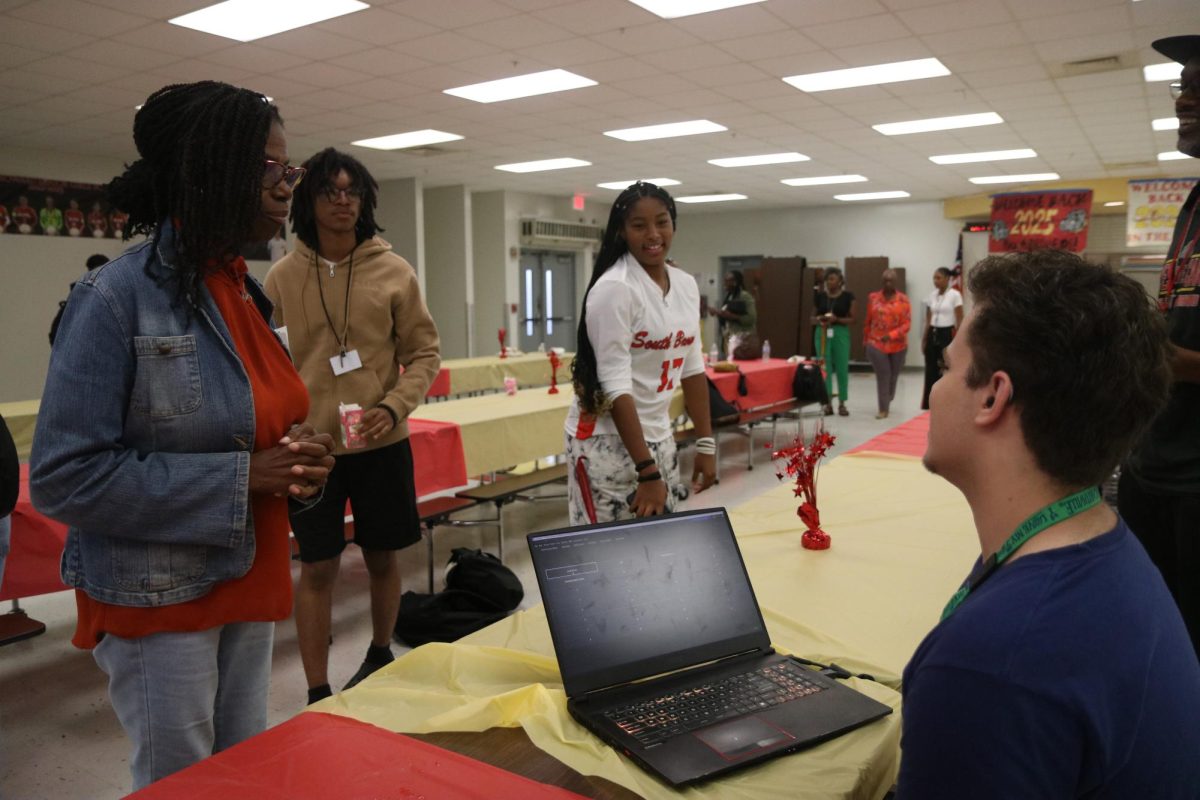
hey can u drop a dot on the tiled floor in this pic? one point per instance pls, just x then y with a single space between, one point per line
60 739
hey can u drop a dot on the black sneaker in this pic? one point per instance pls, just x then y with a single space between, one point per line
366 669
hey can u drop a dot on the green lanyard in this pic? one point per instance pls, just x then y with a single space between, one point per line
1041 519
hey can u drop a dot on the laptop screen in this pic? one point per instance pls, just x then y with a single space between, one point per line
635 598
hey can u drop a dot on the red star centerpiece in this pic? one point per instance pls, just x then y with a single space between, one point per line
801 460
555 362
503 350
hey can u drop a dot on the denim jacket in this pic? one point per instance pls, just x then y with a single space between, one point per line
144 436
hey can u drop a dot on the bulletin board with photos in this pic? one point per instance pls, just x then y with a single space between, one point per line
39 207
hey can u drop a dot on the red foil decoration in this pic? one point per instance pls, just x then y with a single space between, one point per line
555 361
800 462
503 349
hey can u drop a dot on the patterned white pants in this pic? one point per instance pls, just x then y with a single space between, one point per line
611 477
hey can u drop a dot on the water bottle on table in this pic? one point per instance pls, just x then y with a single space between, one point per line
766 350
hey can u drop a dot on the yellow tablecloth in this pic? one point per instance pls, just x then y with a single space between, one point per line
487 373
902 541
21 419
501 430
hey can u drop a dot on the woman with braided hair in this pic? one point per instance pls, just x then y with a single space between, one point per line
169 436
638 339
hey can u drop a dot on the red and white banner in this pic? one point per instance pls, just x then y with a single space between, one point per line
1151 209
1036 220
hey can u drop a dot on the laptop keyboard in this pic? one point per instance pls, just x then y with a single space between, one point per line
652 721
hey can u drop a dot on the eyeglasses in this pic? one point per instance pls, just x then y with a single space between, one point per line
1179 87
276 173
333 193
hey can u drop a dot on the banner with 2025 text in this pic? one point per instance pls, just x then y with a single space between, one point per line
1056 219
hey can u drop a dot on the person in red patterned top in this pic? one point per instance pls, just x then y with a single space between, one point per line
24 216
889 317
73 218
97 221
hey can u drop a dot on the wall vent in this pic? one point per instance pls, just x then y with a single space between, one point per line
542 232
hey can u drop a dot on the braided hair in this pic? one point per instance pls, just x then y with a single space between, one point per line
584 373
323 169
739 284
201 164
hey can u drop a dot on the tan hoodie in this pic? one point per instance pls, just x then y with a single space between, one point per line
389 325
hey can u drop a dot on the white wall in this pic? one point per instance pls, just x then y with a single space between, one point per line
912 235
449 291
493 265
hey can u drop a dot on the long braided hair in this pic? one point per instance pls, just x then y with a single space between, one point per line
323 169
201 165
584 373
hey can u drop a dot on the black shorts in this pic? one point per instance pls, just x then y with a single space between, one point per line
383 498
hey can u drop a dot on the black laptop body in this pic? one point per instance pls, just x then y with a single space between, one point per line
664 654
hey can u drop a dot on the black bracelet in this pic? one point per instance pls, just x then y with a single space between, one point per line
395 417
641 465
653 476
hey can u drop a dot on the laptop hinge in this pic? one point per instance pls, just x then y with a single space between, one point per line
744 655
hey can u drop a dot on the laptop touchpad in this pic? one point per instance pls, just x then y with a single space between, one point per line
743 737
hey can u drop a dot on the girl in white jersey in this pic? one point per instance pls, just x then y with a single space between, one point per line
638 339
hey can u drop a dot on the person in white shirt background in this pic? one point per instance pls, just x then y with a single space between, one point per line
638 339
943 315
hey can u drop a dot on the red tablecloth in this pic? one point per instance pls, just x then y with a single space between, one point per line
906 439
437 455
37 542
441 384
767 382
37 545
320 756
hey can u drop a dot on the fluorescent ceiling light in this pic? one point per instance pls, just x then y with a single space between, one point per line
991 155
544 164
1114 203
1029 178
1168 71
398 141
535 83
670 129
938 124
1172 155
1165 124
621 186
669 9
894 72
709 198
850 198
823 179
757 161
247 20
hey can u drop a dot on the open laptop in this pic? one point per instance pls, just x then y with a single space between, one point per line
665 656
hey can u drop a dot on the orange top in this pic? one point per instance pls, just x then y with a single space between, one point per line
887 318
264 594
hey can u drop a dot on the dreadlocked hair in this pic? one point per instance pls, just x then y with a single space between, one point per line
323 169
584 374
201 165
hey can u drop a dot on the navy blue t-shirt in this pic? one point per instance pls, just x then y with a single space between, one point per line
1067 674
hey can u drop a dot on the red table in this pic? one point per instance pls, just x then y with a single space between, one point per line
441 384
320 756
767 382
37 542
37 545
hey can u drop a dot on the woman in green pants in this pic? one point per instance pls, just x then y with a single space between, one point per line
831 335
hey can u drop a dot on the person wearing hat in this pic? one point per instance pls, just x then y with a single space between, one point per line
1159 489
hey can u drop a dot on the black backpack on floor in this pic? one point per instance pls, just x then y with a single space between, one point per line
479 590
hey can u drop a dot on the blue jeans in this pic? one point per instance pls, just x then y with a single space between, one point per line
5 533
183 696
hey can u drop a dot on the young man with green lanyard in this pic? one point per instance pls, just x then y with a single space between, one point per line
1061 667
